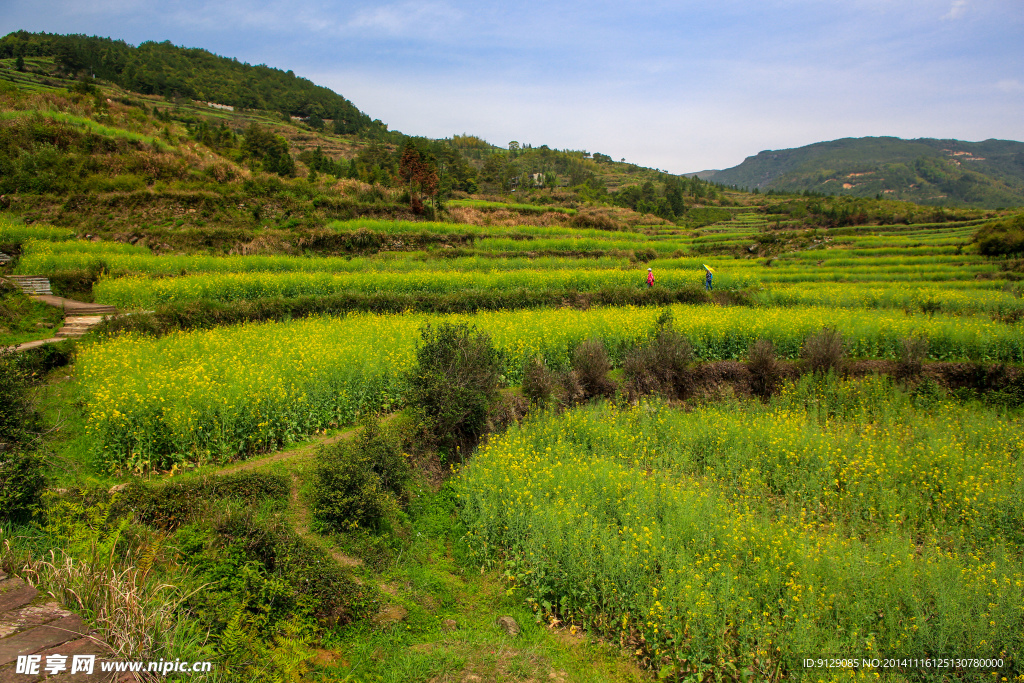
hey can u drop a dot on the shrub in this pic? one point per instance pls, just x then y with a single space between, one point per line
912 352
824 350
1001 238
596 219
538 381
171 504
765 371
15 409
927 393
456 375
570 389
294 574
660 364
383 447
76 283
1011 395
360 484
21 482
38 362
591 364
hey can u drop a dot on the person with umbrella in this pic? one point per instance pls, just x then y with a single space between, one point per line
708 277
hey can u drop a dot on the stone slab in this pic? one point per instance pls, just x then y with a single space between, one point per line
18 597
30 617
40 638
80 646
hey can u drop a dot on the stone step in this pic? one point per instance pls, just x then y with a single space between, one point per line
84 319
54 633
77 325
93 311
31 284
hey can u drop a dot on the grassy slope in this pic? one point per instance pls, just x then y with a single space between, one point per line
23 320
428 583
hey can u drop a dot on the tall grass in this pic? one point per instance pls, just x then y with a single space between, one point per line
971 297
522 208
135 611
81 122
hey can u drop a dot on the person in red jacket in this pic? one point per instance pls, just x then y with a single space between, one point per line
650 277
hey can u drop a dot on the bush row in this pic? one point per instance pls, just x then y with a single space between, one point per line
177 502
205 314
21 467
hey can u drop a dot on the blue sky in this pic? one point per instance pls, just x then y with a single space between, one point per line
682 86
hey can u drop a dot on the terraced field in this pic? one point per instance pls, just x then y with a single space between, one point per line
877 265
873 516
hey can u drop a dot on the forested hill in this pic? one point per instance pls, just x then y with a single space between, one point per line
927 171
192 73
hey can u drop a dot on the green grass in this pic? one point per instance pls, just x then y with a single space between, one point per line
81 122
521 208
23 320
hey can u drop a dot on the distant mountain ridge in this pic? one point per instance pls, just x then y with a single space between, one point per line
988 174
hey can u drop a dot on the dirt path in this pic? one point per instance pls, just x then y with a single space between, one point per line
300 519
297 506
74 308
79 318
294 454
297 453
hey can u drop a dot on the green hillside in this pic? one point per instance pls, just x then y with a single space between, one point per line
986 174
176 72
111 154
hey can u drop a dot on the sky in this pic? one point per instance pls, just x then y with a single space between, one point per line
681 86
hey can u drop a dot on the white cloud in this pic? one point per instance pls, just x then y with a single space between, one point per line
1010 85
103 7
272 16
956 10
406 18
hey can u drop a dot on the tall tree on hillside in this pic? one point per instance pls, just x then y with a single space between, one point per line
271 150
419 174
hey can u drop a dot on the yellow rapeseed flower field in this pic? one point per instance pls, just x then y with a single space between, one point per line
752 536
228 392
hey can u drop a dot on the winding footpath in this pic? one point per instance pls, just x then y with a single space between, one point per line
79 316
